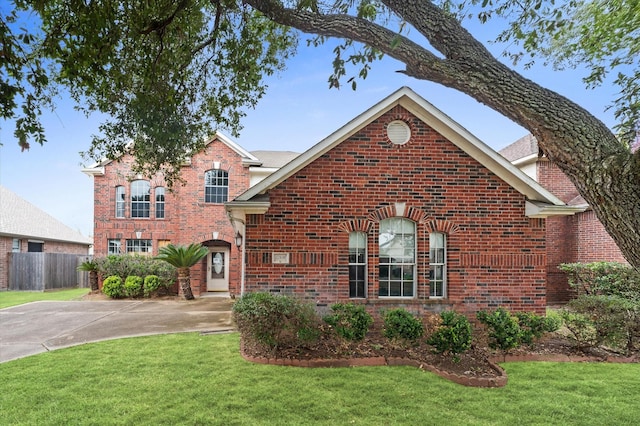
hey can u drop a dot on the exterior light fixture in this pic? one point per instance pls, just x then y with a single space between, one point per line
238 239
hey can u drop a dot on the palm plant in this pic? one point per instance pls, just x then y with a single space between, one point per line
92 267
183 258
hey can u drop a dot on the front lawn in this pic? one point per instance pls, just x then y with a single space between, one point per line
12 298
201 379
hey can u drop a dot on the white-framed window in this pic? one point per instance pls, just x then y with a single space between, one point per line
120 202
397 261
15 247
114 246
139 246
160 192
216 186
437 265
140 198
357 265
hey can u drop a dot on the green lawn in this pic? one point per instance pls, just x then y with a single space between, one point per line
198 380
12 298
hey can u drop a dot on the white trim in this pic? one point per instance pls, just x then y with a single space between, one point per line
534 209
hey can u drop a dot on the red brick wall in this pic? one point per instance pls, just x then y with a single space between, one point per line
578 238
496 255
188 218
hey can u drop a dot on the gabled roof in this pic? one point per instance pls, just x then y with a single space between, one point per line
248 158
522 149
21 219
545 203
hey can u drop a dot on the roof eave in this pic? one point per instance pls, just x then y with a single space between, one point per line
535 209
248 207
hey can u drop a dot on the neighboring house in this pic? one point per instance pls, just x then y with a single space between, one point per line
135 214
26 228
577 238
400 207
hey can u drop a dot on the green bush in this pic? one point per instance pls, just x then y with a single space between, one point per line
133 286
603 278
453 335
126 265
401 324
503 328
610 320
276 321
581 328
113 287
533 327
150 285
350 321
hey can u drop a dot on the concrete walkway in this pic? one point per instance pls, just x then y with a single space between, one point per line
37 327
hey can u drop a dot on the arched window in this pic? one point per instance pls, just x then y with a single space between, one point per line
397 265
140 198
216 186
437 265
160 202
119 201
357 264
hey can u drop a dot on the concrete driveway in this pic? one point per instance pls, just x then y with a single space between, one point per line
44 326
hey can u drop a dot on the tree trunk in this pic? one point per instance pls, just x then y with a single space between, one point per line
93 281
604 171
184 280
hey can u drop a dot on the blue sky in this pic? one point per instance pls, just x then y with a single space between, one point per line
298 111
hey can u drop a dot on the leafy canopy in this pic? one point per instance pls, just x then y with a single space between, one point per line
181 256
167 73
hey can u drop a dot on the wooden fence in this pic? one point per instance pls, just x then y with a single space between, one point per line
46 271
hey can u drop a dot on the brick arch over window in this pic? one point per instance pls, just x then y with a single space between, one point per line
441 225
356 225
398 210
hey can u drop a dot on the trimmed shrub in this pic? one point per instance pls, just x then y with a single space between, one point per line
610 320
603 278
150 285
350 321
453 335
401 324
133 286
113 287
503 328
126 265
533 327
276 321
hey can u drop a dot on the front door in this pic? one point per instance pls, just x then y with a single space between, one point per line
218 269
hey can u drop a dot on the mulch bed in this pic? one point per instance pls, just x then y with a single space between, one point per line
477 367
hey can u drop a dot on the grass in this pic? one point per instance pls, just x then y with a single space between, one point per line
197 379
13 298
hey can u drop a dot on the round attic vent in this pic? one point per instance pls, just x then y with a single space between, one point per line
398 132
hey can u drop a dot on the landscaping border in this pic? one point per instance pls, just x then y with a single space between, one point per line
472 381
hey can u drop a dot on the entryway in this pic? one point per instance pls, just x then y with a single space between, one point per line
218 269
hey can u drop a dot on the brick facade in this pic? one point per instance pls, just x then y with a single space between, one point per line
496 256
188 219
578 238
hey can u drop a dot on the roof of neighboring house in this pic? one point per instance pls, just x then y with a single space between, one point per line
274 159
524 147
543 202
21 219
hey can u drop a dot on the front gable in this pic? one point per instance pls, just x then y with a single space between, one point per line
466 235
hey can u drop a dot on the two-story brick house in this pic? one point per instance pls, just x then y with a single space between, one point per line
135 214
576 238
400 207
